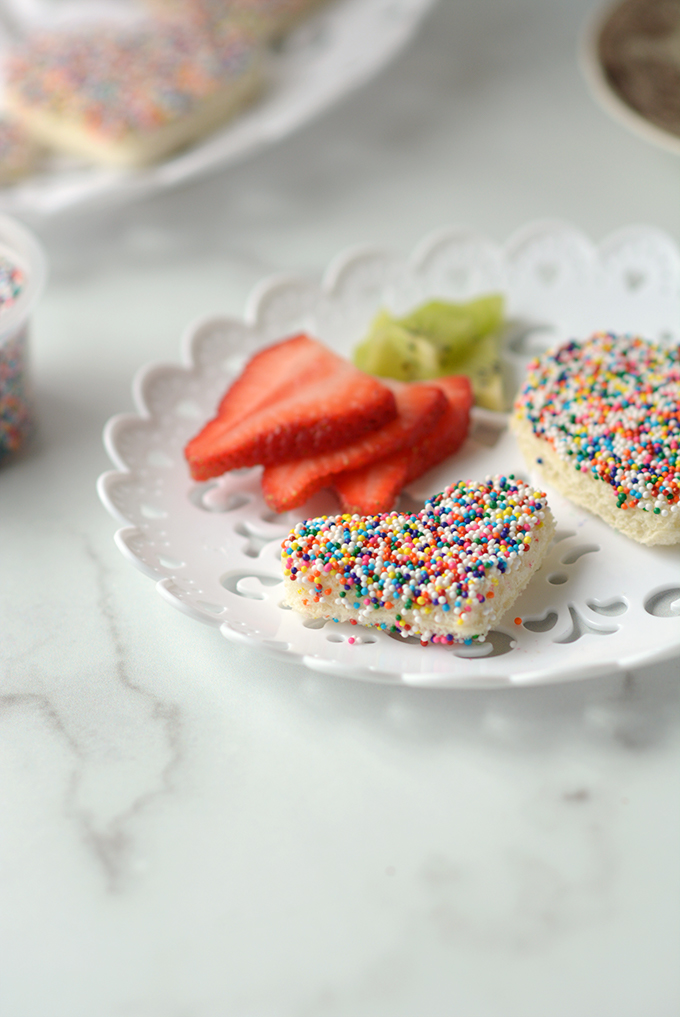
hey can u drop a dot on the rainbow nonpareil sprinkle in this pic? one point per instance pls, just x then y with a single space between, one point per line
610 406
132 80
16 415
429 574
11 283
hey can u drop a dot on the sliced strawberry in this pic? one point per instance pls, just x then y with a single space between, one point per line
375 488
309 413
273 372
457 388
288 485
451 431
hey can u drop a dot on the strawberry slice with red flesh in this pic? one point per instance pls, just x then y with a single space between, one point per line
324 403
451 431
271 374
288 485
375 488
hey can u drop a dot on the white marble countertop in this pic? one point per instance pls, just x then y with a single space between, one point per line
191 829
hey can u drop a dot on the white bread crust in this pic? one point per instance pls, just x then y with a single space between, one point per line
595 495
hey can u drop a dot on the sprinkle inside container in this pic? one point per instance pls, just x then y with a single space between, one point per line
22 274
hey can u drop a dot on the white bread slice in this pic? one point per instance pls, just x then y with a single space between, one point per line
267 20
127 97
593 495
599 420
457 589
19 153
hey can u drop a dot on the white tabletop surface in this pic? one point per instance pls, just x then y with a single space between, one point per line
192 829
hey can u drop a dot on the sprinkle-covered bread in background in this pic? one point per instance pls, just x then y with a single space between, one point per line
447 573
266 20
19 153
273 18
600 420
129 96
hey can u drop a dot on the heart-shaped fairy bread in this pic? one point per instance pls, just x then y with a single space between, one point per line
601 421
447 573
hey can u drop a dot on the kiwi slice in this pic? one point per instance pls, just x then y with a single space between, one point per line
455 328
390 351
483 367
440 338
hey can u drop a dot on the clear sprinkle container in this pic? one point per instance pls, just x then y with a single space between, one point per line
23 269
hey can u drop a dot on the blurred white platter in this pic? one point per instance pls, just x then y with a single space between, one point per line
600 602
333 52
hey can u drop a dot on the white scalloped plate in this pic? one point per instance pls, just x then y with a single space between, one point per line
335 51
600 603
